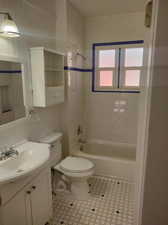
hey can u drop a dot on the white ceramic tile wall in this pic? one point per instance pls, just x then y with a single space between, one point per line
73 110
102 122
37 22
61 25
60 21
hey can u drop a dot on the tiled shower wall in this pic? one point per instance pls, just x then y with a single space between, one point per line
101 120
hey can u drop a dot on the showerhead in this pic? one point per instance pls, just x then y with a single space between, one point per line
82 56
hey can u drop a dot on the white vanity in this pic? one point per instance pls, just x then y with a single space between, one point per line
25 170
25 186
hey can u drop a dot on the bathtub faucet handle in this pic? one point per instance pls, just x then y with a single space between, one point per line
82 141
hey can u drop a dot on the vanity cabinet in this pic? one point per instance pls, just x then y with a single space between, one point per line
32 205
47 77
17 211
41 200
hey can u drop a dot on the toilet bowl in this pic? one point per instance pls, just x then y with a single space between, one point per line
78 170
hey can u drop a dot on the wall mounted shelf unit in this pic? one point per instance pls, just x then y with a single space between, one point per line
47 76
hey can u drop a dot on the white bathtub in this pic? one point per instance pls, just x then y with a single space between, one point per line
116 160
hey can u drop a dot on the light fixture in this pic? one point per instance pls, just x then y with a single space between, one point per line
8 27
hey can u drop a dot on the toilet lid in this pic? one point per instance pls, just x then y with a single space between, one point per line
75 164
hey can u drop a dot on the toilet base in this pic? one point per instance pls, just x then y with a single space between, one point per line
80 189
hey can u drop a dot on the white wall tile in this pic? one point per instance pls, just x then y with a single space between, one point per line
104 119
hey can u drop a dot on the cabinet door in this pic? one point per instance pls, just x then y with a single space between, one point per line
17 211
41 199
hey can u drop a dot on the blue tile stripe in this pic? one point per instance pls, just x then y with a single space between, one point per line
76 69
10 71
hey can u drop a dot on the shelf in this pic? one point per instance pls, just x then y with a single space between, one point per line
47 76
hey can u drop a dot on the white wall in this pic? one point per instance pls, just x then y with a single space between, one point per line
117 27
101 121
37 22
72 110
155 203
59 25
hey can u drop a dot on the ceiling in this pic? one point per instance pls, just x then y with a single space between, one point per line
107 7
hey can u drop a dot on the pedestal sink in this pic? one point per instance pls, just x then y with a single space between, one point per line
31 156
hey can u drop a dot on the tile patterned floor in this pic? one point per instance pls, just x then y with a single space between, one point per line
110 203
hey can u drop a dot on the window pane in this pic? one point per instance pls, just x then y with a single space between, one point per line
106 78
133 57
132 78
106 58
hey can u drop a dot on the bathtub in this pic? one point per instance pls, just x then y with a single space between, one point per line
111 159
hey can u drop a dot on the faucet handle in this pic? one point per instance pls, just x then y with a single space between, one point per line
4 149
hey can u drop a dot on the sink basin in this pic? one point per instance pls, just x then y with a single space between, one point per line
31 156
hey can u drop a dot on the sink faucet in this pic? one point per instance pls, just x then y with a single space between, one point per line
8 153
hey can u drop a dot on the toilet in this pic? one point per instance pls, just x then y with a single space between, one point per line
76 169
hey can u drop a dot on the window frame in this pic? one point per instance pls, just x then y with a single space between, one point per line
119 71
98 69
124 68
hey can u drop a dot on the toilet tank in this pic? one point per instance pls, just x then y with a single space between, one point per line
54 139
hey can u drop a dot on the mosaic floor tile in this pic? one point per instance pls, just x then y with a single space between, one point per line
110 203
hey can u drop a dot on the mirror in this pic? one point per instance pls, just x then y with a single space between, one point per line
11 92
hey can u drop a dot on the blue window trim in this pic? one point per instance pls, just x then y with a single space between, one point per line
94 66
119 67
119 91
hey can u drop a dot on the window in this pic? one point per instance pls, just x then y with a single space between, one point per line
106 78
107 58
117 66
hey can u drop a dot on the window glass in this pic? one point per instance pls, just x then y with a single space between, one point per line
106 78
133 57
106 58
132 78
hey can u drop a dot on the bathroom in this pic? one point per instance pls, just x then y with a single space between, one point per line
87 146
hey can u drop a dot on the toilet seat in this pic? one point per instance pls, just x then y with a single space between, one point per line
76 165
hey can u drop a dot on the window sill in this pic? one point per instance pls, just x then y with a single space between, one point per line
119 90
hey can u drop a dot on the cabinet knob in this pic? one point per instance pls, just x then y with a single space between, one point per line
33 187
28 192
